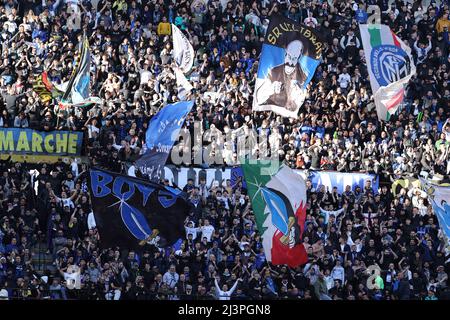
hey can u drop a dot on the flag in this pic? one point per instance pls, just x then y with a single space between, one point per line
406 183
183 52
223 4
77 91
45 88
39 87
390 66
160 136
290 55
85 103
184 86
199 6
439 196
279 204
130 212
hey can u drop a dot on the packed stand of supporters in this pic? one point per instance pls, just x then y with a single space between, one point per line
347 235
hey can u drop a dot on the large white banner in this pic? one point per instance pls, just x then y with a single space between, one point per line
328 179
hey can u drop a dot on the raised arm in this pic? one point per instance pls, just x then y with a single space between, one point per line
230 292
219 292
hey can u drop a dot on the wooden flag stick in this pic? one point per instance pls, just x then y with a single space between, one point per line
155 232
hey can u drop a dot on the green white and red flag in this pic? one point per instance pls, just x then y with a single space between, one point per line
279 204
390 66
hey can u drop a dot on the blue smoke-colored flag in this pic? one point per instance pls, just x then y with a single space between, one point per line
160 137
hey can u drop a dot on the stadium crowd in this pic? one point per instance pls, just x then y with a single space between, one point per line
346 234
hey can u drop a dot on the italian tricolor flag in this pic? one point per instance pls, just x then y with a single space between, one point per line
390 66
278 196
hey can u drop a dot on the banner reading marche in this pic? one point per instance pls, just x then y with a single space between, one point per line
161 134
390 66
28 141
130 212
290 55
279 203
183 52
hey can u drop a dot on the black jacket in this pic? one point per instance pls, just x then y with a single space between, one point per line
403 291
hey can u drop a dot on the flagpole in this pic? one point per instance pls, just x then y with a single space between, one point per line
57 120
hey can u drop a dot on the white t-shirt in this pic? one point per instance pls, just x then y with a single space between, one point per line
74 168
207 231
344 79
132 171
66 202
145 76
92 129
192 231
311 22
4 294
91 221
242 245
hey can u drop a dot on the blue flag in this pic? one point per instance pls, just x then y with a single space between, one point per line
161 134
439 197
78 88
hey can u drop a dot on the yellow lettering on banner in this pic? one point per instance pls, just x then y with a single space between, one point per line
308 33
61 142
284 27
48 147
22 143
72 146
6 141
271 39
36 142
276 32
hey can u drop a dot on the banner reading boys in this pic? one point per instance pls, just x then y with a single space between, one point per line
130 212
289 58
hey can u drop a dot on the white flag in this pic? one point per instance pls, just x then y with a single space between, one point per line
184 86
183 52
224 3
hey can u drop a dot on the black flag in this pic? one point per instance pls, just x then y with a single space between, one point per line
130 212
